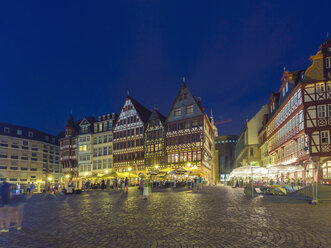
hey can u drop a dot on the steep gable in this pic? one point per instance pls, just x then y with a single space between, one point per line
185 106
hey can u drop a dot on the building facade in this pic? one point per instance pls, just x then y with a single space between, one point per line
154 142
129 137
84 145
224 152
28 155
247 150
190 135
298 131
103 145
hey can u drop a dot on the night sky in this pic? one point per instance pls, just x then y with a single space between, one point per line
84 56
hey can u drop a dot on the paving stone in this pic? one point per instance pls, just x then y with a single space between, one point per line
217 217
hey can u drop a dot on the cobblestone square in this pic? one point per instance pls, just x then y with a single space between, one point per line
217 217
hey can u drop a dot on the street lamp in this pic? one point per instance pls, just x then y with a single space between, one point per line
156 166
85 173
49 179
67 176
106 171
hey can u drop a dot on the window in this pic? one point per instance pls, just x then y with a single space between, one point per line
3 167
13 168
283 91
100 139
328 62
110 150
320 87
47 138
189 109
25 143
99 152
110 137
325 137
6 129
105 151
287 87
329 110
19 132
105 139
95 140
30 134
321 111
177 112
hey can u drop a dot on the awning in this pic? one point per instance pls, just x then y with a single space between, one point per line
285 168
248 171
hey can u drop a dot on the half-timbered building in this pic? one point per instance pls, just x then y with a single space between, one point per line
190 135
155 151
298 130
128 144
68 150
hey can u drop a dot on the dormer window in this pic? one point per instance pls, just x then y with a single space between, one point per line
178 112
19 132
283 91
286 87
30 134
6 129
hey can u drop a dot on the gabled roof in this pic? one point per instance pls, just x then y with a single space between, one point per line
193 99
88 120
143 112
156 115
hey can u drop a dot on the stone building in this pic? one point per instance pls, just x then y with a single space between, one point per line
28 155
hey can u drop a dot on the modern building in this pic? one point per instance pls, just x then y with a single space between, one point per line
28 155
103 145
154 142
225 146
247 150
298 130
190 135
129 132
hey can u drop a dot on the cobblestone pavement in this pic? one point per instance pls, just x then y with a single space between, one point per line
217 217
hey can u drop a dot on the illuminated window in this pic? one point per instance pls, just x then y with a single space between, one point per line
321 111
178 112
30 134
286 87
189 109
328 86
19 132
325 137
328 62
320 87
329 110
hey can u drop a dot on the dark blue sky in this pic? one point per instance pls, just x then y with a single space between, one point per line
58 56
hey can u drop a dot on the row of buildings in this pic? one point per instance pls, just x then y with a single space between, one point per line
139 140
294 127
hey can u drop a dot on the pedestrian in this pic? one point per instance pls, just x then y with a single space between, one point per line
103 184
28 189
141 187
146 188
195 183
126 184
33 186
200 183
5 193
115 183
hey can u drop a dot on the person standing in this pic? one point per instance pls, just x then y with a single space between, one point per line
5 193
200 183
126 184
146 188
103 184
33 186
28 189
141 187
